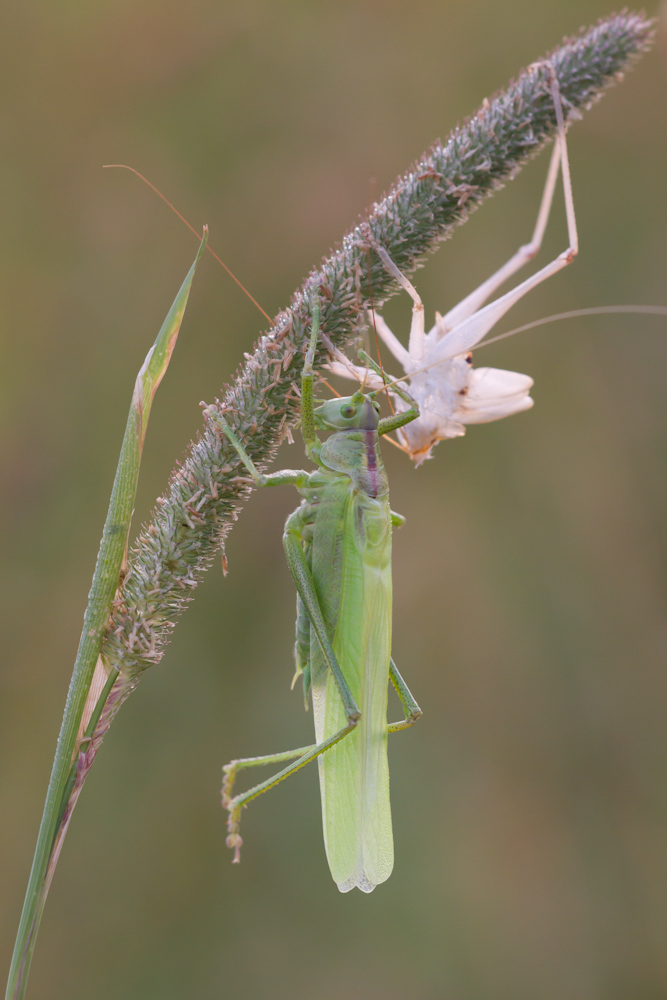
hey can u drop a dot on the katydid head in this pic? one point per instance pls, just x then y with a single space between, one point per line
358 412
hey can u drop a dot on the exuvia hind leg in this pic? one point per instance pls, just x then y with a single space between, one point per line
463 327
234 804
470 329
412 710
450 393
472 304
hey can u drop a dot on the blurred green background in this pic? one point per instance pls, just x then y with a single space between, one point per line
530 579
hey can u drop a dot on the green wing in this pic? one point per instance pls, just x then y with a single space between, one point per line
351 565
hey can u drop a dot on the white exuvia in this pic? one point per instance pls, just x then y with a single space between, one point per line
438 364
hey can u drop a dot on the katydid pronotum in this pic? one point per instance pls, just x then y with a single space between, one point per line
338 548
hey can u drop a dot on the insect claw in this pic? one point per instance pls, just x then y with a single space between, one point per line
235 842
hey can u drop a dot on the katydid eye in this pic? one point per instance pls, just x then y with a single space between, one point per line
348 410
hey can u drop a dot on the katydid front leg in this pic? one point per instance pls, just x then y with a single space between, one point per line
288 477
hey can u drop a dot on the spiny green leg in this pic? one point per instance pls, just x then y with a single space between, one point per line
389 424
300 571
302 648
287 477
410 706
238 802
235 805
307 376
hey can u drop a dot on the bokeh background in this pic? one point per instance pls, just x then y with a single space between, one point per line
530 580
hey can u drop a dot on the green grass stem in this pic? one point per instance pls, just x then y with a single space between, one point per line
80 730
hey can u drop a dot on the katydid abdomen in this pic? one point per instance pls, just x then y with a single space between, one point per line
350 559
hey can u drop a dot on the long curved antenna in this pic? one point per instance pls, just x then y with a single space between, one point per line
124 166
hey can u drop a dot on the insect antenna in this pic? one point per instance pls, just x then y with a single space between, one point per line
124 166
574 314
153 187
330 388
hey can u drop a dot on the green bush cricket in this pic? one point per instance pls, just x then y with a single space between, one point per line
338 548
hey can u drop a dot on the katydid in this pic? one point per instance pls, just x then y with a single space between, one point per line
338 548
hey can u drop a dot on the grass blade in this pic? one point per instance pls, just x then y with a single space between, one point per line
84 720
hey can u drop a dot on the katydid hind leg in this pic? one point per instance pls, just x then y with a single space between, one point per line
300 570
235 804
231 770
302 648
310 613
